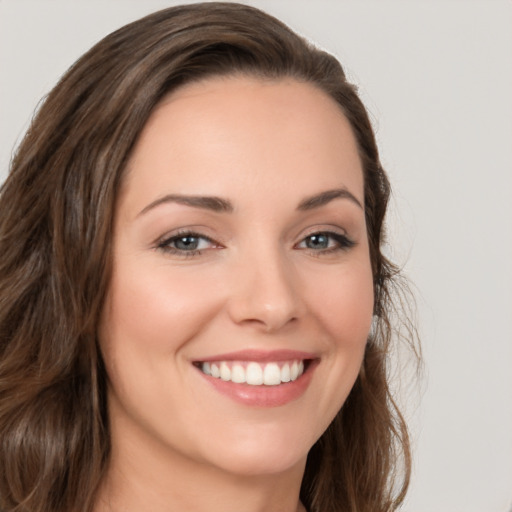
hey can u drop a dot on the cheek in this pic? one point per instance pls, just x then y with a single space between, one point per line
344 306
148 320
150 316
344 310
158 310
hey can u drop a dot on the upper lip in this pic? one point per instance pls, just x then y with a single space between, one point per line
262 356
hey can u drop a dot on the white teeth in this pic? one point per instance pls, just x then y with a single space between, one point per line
285 373
254 374
271 375
294 371
215 371
225 372
238 374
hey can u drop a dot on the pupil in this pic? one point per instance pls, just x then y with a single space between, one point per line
318 241
187 243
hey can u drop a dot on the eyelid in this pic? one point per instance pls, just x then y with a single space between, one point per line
328 229
343 241
196 230
164 242
324 228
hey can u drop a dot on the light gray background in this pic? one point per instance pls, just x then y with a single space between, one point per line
436 77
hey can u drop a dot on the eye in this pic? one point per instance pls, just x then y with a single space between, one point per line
326 242
186 244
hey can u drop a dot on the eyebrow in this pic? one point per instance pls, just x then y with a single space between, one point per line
321 199
220 205
215 204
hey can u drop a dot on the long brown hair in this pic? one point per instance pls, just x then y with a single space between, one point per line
57 207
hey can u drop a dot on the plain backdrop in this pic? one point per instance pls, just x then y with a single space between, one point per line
437 79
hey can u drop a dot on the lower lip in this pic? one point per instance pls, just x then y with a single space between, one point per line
264 396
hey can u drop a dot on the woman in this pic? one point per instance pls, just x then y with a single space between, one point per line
195 306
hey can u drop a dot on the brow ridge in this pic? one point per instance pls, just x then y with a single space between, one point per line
220 205
213 203
323 198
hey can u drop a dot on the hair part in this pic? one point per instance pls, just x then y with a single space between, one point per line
58 206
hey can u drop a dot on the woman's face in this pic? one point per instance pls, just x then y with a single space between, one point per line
241 297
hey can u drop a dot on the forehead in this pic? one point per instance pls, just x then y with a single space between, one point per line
240 132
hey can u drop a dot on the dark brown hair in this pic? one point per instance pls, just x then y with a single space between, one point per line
57 208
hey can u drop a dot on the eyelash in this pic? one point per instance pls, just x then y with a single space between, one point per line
165 244
342 243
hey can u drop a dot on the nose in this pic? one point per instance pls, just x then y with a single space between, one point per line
265 293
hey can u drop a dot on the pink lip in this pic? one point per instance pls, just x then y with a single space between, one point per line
261 356
264 396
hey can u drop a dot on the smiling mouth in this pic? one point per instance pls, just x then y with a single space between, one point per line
271 373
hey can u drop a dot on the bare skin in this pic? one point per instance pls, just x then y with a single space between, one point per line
271 260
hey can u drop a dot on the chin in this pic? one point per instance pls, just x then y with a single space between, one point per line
262 451
262 463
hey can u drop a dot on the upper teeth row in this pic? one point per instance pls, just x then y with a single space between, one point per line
255 374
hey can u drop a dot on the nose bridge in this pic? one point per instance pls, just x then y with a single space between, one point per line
265 288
